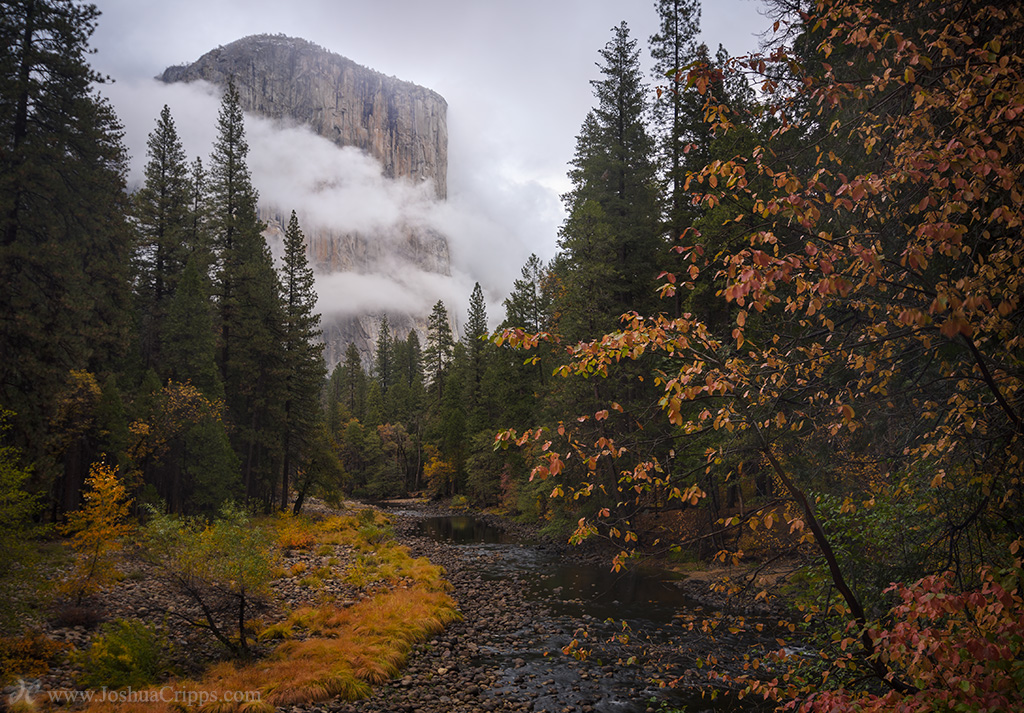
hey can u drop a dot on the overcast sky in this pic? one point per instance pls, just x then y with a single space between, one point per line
515 74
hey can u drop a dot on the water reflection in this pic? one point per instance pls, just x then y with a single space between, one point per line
592 589
464 530
603 593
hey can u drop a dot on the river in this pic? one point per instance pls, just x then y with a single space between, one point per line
524 600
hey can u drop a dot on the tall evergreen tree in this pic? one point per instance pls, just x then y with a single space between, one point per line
235 228
411 365
257 372
451 428
611 247
528 306
415 399
678 111
440 348
353 382
477 354
250 305
190 341
303 354
335 413
198 239
405 395
64 242
384 357
161 212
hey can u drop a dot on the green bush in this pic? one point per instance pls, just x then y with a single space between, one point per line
125 654
375 534
223 566
887 537
20 573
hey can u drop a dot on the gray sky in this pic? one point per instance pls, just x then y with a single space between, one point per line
515 74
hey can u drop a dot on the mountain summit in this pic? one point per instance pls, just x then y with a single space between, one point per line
403 125
400 124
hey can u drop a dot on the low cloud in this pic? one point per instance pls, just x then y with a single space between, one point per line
407 291
491 221
341 188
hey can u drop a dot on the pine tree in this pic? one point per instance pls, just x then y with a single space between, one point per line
335 413
190 341
611 247
383 357
257 372
451 429
374 405
198 239
412 364
64 242
440 347
477 355
353 382
235 229
528 307
162 220
415 415
476 322
249 300
678 111
405 396
303 353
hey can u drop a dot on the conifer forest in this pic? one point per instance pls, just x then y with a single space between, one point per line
783 328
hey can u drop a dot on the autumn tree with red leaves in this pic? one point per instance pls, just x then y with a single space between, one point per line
875 351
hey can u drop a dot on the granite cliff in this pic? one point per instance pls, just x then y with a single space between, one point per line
400 124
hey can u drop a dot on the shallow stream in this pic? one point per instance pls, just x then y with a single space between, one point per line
624 614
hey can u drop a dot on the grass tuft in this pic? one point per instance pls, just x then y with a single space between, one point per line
280 630
260 706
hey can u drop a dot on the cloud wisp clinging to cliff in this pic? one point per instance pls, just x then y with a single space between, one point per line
487 223
342 188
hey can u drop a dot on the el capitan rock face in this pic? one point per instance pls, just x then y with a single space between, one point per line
400 124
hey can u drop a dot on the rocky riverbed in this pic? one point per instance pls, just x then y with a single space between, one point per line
507 652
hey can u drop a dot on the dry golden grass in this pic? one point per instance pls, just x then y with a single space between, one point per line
291 532
348 650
